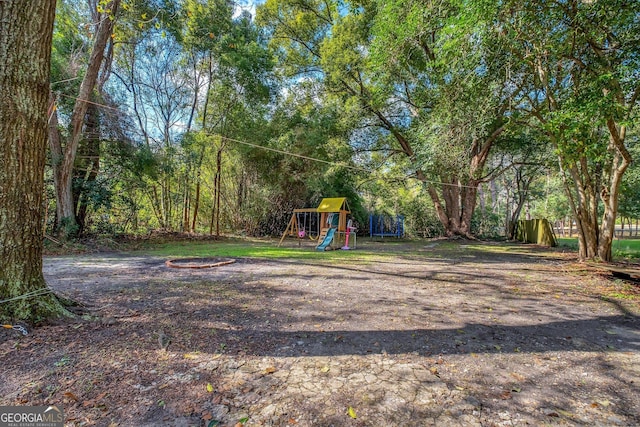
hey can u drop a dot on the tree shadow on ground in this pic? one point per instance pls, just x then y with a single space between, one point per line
237 306
498 314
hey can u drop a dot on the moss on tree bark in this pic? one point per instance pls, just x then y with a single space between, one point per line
26 29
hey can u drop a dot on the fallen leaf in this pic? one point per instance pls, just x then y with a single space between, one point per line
352 413
459 388
209 388
497 347
516 389
324 369
292 421
553 414
517 376
207 416
270 370
88 403
71 395
604 403
506 395
434 371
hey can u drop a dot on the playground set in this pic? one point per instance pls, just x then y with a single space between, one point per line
328 224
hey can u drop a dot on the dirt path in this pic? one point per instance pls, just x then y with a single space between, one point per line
430 336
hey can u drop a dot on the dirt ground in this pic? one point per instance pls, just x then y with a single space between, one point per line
434 333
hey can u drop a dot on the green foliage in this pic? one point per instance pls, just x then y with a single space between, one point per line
69 228
630 188
349 83
552 202
297 31
420 218
487 224
70 48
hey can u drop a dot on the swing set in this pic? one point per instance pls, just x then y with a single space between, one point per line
315 223
304 223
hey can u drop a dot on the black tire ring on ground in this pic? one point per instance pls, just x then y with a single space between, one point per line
174 263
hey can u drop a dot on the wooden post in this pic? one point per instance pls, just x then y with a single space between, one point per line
290 225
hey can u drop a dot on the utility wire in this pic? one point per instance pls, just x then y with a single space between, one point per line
30 294
66 80
93 103
360 168
288 153
275 150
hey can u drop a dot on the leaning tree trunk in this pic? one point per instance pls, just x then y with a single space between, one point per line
25 56
64 158
87 167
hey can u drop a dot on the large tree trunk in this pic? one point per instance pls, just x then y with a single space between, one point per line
64 157
460 194
459 204
594 240
25 55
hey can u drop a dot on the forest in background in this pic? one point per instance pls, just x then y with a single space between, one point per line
205 116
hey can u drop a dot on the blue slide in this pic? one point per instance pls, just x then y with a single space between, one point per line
327 240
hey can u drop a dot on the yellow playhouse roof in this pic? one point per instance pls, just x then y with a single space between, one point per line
335 204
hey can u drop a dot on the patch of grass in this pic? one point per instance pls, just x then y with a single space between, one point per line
368 250
619 295
253 249
568 242
626 248
621 248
